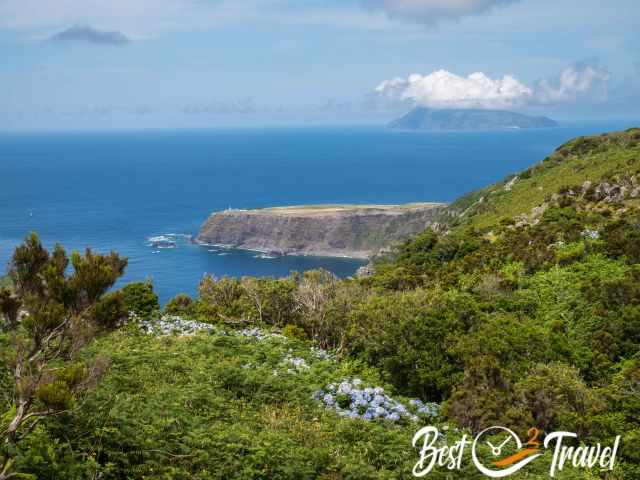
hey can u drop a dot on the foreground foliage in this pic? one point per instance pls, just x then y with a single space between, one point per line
225 406
46 317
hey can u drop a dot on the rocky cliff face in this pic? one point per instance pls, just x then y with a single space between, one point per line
346 231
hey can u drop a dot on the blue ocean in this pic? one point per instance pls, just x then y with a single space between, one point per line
117 190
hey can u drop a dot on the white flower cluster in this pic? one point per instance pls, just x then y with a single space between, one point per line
321 354
259 334
350 399
173 325
297 363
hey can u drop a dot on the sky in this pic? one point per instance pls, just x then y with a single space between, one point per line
70 64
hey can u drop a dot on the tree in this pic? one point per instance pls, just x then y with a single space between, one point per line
316 290
48 317
225 296
140 298
557 397
272 300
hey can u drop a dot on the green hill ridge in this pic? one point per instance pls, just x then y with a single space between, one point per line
596 159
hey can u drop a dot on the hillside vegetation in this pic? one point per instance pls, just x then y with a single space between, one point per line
601 158
521 309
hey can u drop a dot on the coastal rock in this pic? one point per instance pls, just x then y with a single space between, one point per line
355 231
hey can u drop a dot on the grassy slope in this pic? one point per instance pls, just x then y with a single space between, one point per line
224 406
227 407
581 159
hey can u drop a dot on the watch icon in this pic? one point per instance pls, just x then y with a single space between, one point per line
496 451
524 454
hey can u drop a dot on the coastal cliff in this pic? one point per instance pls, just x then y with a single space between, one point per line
356 231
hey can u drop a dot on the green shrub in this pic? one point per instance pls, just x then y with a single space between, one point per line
294 332
140 298
182 305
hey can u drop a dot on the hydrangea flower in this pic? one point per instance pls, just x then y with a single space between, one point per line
351 399
345 387
297 362
432 409
400 408
259 334
360 401
321 354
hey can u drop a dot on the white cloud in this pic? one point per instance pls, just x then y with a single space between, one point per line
574 83
443 89
431 11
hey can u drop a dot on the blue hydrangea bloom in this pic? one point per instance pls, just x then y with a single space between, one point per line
368 403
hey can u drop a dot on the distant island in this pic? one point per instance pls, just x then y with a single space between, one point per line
421 118
354 231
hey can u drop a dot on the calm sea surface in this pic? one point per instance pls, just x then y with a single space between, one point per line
113 191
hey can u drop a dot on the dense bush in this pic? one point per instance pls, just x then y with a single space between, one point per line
264 300
217 407
409 336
